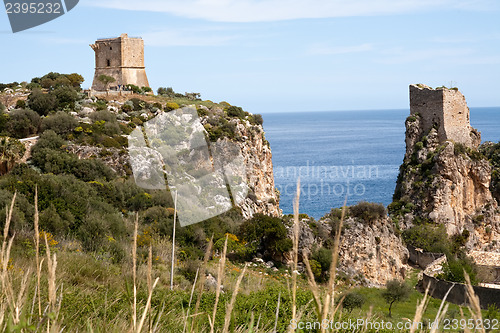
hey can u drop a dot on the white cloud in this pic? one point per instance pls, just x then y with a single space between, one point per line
329 50
276 10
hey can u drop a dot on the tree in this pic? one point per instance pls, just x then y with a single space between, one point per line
169 92
106 80
61 123
76 80
22 123
41 103
353 300
396 291
66 96
267 234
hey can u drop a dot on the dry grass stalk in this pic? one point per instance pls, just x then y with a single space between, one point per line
173 245
7 289
148 306
312 285
134 272
190 300
421 306
474 305
443 309
37 254
220 278
277 314
51 269
230 307
329 297
296 231
201 282
150 279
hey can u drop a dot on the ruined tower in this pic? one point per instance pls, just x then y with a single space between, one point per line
445 109
122 58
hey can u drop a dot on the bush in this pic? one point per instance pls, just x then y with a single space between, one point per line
368 211
353 300
257 119
171 106
60 123
20 104
324 257
266 234
48 155
428 237
52 222
23 123
42 103
168 92
453 270
66 96
235 111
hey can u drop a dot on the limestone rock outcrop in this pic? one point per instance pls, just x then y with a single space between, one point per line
444 179
369 253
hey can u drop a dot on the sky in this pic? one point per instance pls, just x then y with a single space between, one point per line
279 55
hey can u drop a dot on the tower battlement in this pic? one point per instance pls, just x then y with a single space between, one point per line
122 58
445 109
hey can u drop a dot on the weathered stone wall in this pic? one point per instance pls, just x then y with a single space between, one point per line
458 293
445 109
421 258
121 58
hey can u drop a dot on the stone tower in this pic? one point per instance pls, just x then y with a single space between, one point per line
445 109
121 58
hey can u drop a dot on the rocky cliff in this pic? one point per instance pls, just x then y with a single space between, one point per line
370 253
443 181
241 132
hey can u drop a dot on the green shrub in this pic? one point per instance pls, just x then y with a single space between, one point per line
257 119
428 237
42 103
171 106
60 123
20 104
266 234
323 257
51 221
168 92
235 111
22 123
453 270
353 300
368 211
66 96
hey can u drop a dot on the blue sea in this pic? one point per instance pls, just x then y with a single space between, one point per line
339 154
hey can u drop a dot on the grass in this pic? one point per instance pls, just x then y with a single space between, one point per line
74 291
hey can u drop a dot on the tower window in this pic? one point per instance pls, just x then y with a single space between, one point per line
110 47
108 62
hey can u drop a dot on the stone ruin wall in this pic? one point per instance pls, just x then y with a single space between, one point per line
126 57
448 109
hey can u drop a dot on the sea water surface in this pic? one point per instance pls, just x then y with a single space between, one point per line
339 154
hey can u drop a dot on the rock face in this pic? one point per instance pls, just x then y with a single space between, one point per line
444 179
370 253
256 165
263 196
373 252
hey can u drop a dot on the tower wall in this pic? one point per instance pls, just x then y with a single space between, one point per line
444 108
121 58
